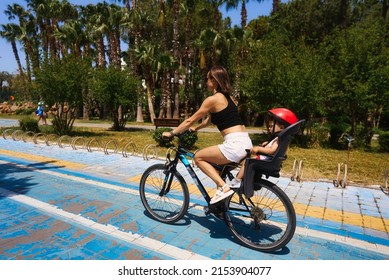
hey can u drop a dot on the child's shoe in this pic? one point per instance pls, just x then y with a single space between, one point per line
235 183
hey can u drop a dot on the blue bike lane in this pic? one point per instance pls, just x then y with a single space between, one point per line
61 203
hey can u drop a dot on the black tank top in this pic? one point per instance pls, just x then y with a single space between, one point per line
228 117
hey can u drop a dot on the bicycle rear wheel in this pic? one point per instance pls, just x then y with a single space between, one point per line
164 194
266 222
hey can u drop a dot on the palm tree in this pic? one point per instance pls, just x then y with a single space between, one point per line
275 7
165 103
216 4
187 9
10 32
233 4
146 56
243 41
94 19
176 53
109 21
165 63
26 34
41 10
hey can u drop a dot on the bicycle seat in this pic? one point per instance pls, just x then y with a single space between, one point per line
269 167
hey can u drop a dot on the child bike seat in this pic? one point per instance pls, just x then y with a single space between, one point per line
254 168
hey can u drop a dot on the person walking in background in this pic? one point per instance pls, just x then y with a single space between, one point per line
40 112
221 110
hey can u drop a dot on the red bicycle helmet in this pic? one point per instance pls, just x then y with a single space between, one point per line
284 116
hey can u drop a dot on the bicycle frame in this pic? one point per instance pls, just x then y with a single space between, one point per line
182 155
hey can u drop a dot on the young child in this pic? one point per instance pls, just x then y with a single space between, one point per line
280 118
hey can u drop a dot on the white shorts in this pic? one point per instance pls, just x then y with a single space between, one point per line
235 145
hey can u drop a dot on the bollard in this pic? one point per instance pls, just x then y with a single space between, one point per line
385 187
343 182
338 182
297 170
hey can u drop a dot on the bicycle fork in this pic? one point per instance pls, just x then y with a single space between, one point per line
167 181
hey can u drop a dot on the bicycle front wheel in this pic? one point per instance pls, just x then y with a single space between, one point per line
164 193
266 222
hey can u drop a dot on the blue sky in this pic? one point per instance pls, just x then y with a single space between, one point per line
7 59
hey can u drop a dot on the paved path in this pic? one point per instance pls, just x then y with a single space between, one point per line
61 203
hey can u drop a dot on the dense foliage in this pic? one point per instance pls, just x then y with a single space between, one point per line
328 60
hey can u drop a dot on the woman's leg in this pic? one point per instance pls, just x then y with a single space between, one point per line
211 154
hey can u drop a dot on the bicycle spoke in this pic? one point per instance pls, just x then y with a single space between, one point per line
166 203
265 222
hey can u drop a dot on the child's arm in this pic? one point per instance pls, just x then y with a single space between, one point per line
264 143
265 150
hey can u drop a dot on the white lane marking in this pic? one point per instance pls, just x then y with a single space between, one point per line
133 238
299 230
378 248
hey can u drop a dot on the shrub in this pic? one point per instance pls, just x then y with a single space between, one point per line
25 112
157 136
189 139
383 140
29 124
61 127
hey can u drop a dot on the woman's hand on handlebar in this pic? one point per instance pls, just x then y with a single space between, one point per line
167 135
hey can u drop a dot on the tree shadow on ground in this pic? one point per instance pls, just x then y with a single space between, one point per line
217 227
11 179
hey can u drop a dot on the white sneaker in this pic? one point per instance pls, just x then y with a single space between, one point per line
220 195
235 183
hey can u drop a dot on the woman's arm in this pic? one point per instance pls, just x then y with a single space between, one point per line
205 108
203 124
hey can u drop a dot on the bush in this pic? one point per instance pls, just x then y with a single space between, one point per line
29 124
61 127
157 136
189 139
25 112
383 140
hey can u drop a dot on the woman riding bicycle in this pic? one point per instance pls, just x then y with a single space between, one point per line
221 110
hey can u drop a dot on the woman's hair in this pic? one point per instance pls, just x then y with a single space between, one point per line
222 78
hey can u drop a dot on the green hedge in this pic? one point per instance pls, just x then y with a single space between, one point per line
189 138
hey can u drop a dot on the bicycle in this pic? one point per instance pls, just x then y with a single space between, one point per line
259 214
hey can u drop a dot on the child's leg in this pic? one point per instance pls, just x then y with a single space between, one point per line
240 174
235 183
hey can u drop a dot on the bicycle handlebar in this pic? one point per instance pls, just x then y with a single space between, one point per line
178 135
